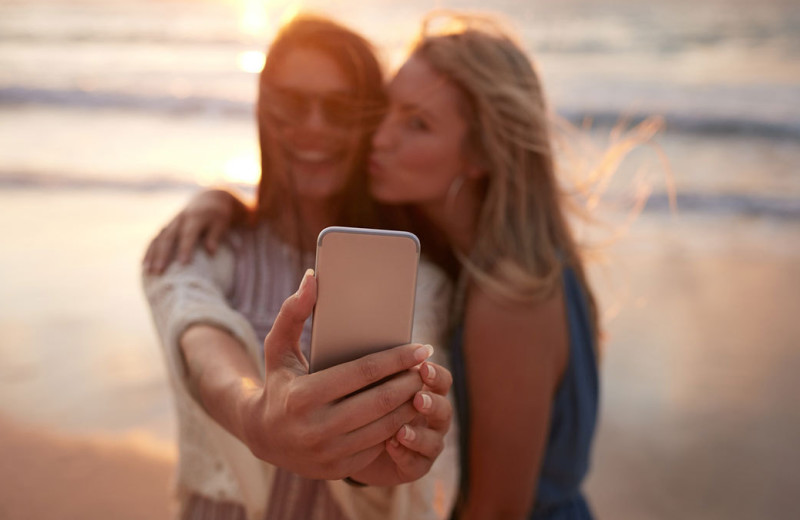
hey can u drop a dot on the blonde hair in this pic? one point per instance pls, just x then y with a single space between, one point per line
523 239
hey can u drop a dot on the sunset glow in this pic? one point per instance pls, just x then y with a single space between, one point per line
242 169
251 61
263 17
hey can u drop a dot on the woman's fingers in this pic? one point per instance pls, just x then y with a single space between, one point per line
208 213
147 261
419 441
370 411
414 449
344 379
437 410
370 408
437 378
424 441
162 248
376 432
417 444
188 236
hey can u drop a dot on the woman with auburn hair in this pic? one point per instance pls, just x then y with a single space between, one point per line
260 436
467 143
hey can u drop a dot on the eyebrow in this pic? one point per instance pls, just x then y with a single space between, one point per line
414 107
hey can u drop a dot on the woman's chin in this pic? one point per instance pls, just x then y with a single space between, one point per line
385 197
318 181
383 192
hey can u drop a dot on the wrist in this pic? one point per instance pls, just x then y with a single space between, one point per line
246 414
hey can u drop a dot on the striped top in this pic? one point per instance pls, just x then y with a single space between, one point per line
267 272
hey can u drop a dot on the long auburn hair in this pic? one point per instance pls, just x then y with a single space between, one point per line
523 238
357 59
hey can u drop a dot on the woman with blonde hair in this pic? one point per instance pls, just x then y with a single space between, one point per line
467 140
467 143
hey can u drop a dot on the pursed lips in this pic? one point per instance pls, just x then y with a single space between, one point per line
375 167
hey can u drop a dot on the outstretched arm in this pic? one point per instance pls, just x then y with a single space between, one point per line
310 423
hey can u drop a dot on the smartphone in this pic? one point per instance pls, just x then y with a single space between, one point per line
366 284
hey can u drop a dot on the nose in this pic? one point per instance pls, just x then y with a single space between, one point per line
316 118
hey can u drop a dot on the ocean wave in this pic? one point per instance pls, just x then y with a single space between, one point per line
93 99
153 37
677 120
654 36
53 181
727 203
784 208
687 123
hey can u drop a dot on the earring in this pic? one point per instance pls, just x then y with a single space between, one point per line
452 192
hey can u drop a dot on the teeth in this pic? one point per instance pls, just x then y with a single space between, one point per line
312 156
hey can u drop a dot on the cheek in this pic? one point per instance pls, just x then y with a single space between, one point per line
432 164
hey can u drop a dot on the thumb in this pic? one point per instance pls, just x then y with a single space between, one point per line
282 346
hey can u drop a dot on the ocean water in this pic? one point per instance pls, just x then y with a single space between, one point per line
113 112
159 93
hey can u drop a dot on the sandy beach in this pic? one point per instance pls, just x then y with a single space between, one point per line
86 427
698 415
45 475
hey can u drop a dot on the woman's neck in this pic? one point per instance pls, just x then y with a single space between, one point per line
300 223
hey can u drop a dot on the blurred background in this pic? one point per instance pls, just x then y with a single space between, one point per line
114 112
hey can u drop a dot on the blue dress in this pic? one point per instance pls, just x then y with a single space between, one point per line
573 417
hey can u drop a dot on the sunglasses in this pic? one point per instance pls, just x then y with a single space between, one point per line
293 106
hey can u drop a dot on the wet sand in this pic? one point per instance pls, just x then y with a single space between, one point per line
45 475
698 414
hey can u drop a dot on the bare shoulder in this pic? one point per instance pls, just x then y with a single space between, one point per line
491 313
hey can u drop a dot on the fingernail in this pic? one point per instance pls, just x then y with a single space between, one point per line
423 352
426 401
430 372
408 433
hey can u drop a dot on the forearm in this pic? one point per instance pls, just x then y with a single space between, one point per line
222 375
